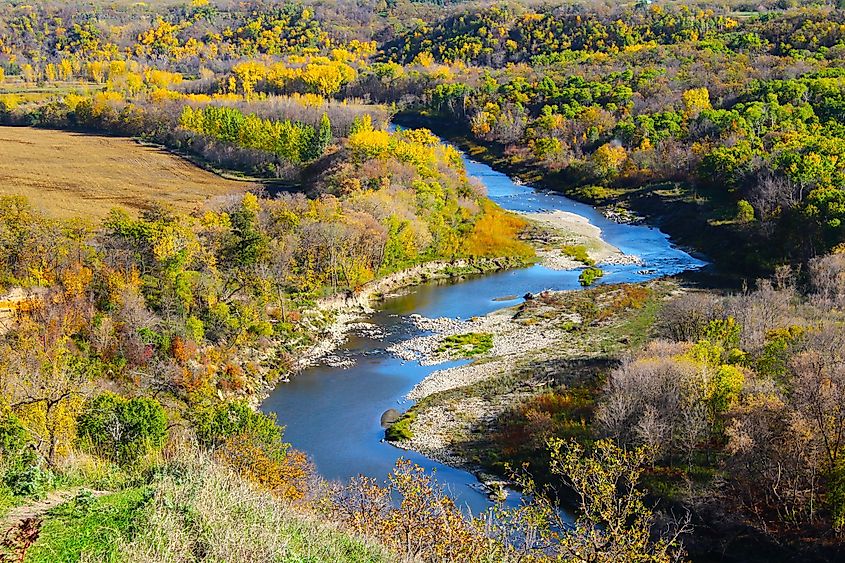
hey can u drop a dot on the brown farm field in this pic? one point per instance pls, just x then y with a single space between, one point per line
77 175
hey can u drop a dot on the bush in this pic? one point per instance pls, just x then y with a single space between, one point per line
578 252
195 328
251 443
13 438
28 478
23 475
590 275
744 212
122 429
288 478
594 194
217 424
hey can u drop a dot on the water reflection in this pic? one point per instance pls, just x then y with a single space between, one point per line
333 413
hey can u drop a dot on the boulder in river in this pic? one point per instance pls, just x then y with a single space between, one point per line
389 417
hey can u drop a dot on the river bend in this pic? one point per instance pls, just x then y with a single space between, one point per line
332 413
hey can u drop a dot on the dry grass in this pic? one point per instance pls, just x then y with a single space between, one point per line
201 511
75 175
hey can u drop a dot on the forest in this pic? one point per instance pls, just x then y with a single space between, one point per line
134 350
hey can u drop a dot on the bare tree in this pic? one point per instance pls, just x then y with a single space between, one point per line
827 276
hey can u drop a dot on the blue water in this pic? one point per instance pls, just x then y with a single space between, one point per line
333 414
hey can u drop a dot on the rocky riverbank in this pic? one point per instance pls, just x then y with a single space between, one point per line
334 317
545 342
551 235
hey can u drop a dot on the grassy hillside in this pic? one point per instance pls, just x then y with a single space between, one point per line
192 509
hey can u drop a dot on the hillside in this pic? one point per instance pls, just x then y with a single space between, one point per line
253 176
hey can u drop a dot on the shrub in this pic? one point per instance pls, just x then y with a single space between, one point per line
217 424
13 438
590 275
578 252
413 515
195 328
122 429
744 212
22 474
28 477
595 194
287 478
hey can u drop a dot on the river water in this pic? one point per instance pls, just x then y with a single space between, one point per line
333 413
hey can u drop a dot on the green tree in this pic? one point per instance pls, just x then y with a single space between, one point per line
216 425
249 245
122 429
324 134
744 211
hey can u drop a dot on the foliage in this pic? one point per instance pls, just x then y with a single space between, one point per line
733 117
13 439
494 234
293 142
753 400
287 477
589 275
401 429
122 429
614 523
422 523
565 413
744 211
217 424
579 253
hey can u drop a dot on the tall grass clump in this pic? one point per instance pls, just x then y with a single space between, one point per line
202 510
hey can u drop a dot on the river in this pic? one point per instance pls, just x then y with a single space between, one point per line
333 413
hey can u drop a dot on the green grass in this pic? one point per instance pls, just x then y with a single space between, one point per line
578 252
467 345
88 527
401 429
636 326
596 194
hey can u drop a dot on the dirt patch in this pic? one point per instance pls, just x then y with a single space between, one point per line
40 507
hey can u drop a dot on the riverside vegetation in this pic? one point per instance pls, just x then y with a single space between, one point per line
737 399
135 347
